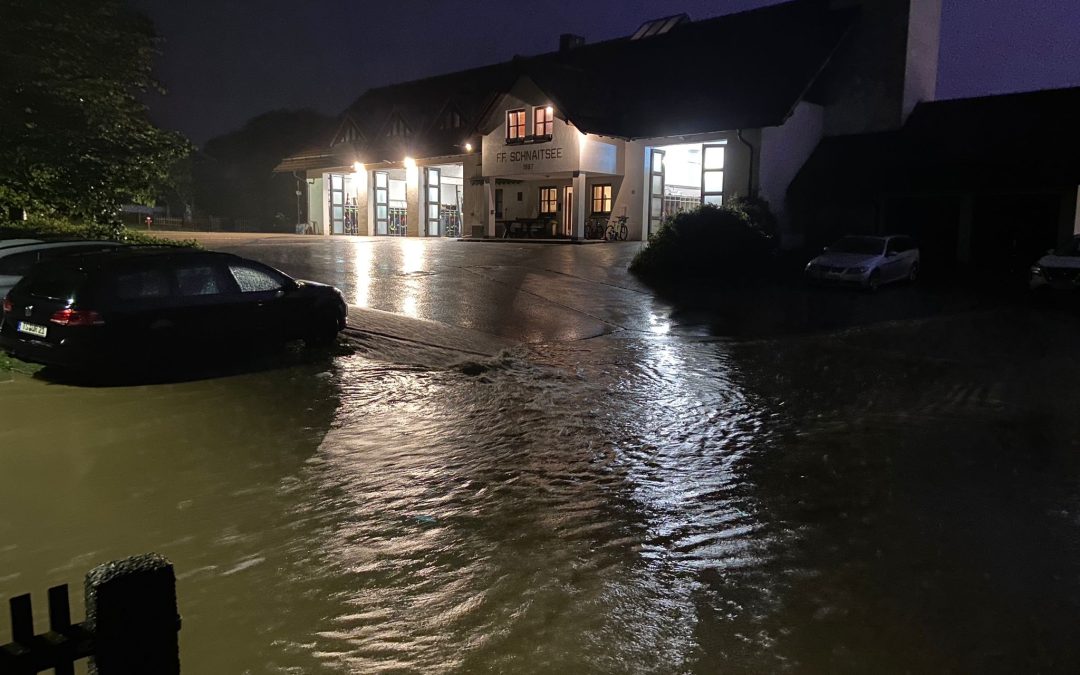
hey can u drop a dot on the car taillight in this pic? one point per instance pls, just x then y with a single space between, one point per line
76 317
9 306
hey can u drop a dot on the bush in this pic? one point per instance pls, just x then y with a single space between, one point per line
45 227
731 242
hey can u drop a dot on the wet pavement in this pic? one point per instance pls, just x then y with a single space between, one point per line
624 488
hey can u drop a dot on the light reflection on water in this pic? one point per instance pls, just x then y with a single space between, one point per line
627 504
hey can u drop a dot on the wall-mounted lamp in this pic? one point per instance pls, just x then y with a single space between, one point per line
550 111
357 167
468 147
410 163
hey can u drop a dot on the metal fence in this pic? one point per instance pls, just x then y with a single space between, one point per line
131 624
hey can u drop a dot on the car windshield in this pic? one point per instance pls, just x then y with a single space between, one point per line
1070 248
865 245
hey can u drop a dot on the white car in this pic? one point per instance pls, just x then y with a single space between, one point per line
868 261
1059 268
16 259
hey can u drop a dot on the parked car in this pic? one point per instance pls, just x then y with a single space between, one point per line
17 259
1059 268
867 261
149 305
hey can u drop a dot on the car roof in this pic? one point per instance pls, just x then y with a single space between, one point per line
45 245
131 255
11 243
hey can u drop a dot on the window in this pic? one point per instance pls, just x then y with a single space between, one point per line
601 199
515 125
197 280
549 200
499 203
542 120
251 280
398 127
142 284
452 119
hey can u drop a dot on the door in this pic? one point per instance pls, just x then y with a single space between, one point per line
434 201
568 211
337 203
656 191
382 202
712 173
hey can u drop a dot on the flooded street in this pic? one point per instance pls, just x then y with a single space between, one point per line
621 489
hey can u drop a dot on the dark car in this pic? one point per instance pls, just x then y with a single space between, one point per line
155 304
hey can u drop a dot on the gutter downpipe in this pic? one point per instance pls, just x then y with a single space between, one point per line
750 171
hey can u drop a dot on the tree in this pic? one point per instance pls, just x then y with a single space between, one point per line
75 139
234 172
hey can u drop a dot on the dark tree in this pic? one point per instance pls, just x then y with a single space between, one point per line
75 138
234 173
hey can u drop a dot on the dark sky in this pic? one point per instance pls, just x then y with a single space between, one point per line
227 60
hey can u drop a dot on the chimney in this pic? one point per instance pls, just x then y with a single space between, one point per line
569 42
887 65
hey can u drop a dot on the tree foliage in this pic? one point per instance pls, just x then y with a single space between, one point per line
234 173
75 138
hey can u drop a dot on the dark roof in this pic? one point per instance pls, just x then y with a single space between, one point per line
740 71
744 70
998 143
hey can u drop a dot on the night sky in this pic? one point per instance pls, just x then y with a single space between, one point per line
227 60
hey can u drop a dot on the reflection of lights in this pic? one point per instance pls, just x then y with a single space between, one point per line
412 256
364 259
659 326
408 306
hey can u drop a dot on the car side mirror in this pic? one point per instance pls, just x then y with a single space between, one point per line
825 249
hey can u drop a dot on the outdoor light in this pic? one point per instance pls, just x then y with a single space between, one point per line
468 147
550 111
357 167
410 163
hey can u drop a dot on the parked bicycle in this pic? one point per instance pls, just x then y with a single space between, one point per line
595 227
617 229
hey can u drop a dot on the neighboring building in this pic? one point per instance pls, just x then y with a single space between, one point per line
681 113
986 182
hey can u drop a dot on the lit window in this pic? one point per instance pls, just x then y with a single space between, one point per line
549 200
601 199
542 120
515 125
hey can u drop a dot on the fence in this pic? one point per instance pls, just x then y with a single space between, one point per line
131 624
200 224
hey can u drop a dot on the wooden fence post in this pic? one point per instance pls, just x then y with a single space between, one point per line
131 612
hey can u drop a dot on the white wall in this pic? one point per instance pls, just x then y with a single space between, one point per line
784 150
924 40
317 204
561 153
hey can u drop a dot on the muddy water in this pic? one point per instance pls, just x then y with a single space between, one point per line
896 499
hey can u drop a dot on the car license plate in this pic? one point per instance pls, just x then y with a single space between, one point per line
32 329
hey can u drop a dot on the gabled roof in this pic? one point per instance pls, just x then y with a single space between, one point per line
745 70
998 143
739 71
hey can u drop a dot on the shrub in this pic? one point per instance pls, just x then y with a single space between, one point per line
47 227
731 242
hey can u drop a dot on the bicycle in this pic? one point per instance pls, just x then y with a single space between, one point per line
595 227
617 229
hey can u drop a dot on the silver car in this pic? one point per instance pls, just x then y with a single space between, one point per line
18 256
1059 268
867 261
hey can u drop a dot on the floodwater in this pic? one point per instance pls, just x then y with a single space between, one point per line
901 497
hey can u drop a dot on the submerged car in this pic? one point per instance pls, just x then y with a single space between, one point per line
1059 268
149 305
867 261
18 256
